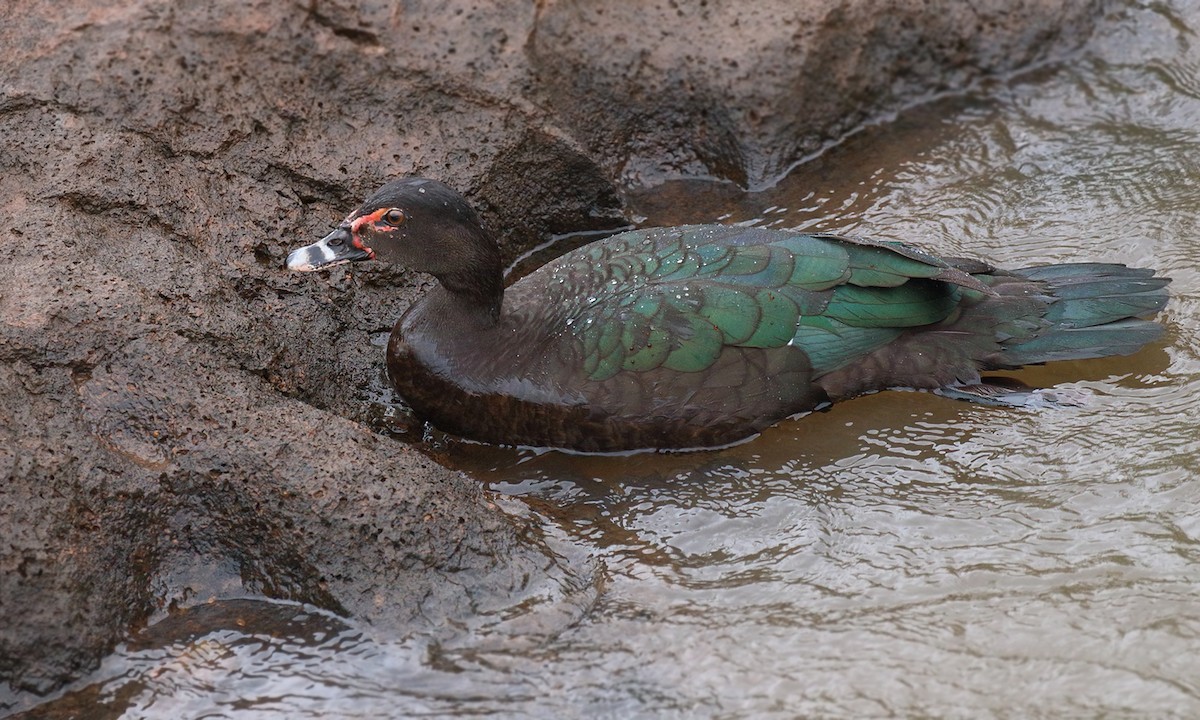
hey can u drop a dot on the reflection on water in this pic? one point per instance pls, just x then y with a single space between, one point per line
898 554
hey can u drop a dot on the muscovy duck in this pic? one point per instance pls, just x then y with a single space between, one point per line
699 336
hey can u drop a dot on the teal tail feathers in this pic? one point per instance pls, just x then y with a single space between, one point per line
1096 310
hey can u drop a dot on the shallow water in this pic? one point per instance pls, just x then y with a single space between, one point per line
901 554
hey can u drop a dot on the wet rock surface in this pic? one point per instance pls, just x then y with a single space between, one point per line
742 91
182 419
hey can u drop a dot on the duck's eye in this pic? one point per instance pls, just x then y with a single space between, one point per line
394 217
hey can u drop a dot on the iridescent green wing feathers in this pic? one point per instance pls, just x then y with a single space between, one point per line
674 298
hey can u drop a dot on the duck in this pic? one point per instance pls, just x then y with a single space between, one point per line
701 336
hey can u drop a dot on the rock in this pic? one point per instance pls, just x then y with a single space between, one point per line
182 419
172 424
175 476
741 91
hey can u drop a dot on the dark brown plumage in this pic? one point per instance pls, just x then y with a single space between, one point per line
703 335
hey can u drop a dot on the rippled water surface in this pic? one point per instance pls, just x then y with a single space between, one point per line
900 554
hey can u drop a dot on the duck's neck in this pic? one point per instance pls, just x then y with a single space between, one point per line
477 286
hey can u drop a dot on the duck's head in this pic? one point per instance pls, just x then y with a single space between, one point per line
421 224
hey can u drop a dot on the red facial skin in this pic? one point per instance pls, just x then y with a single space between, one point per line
375 220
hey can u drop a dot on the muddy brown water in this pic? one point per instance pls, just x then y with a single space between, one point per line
901 554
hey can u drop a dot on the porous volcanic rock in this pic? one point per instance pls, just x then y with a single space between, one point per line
741 91
181 419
